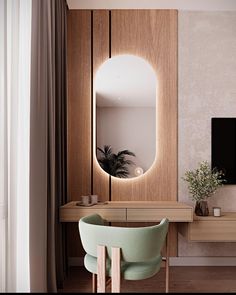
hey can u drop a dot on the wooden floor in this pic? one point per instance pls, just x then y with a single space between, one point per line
183 279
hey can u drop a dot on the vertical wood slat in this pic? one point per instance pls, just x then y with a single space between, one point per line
79 105
94 283
152 35
167 262
100 55
79 114
101 269
115 270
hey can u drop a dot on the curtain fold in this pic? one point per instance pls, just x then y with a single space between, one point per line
47 143
15 51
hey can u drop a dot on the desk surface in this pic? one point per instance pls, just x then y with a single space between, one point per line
130 211
225 216
130 204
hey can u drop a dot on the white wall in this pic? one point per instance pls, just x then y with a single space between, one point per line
129 128
207 88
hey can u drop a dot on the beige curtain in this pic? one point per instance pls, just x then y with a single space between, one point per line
47 143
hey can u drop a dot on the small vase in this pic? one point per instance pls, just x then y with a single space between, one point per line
201 208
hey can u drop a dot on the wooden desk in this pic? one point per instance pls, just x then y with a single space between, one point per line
210 228
130 211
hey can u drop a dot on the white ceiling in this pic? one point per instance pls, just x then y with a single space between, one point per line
125 81
213 5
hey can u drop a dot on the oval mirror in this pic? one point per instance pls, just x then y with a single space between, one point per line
125 119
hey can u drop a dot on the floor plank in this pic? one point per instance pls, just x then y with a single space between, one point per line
200 279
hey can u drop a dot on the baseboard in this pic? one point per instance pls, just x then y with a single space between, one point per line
178 261
203 261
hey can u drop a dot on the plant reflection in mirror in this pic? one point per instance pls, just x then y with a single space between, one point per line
115 164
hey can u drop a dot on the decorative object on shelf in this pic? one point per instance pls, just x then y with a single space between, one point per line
202 184
201 208
115 164
89 200
138 171
94 199
85 200
216 211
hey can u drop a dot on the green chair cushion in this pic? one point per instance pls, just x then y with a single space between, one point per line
129 270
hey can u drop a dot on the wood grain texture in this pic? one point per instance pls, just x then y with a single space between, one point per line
210 229
79 103
112 215
115 269
79 114
94 283
150 211
151 215
183 279
152 34
100 55
173 237
167 264
101 269
134 205
74 244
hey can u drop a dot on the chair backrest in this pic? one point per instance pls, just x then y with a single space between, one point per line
137 244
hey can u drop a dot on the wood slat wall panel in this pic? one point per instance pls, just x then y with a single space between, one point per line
79 115
152 34
79 103
100 55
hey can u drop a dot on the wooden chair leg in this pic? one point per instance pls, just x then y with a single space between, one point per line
108 282
101 269
94 283
115 270
167 263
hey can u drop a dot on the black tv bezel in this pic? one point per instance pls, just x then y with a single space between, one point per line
223 118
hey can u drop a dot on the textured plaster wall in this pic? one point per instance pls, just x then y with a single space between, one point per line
207 88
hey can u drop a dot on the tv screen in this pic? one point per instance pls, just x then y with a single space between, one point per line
223 147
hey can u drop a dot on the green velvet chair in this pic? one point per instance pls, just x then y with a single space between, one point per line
133 253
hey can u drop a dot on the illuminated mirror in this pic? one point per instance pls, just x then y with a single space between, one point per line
125 118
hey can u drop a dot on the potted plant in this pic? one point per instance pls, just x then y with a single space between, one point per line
115 164
203 183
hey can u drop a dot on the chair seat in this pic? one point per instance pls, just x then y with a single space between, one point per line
130 271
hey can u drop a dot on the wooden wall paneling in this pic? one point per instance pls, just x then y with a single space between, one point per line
100 55
152 34
79 114
79 103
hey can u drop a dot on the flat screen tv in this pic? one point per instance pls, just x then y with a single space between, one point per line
223 147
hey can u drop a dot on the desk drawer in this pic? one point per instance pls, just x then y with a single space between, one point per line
149 215
74 214
212 231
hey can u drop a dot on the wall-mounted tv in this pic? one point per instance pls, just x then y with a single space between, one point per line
223 147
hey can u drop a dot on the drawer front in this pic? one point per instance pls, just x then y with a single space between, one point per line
176 215
73 215
212 231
